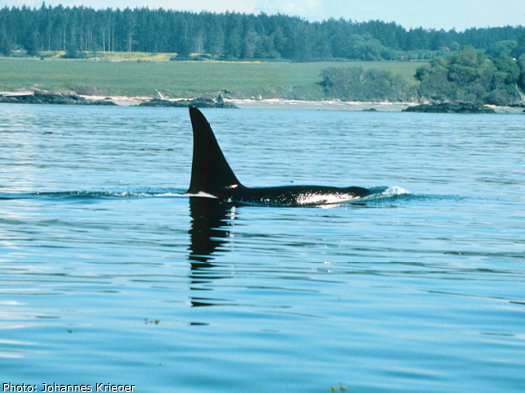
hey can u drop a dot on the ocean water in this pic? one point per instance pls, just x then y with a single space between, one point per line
109 275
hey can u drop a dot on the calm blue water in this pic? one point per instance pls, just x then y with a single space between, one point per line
109 275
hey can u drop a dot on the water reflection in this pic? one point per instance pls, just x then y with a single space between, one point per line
210 219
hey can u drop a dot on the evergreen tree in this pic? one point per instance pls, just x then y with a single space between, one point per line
520 46
521 79
5 46
236 36
31 42
502 48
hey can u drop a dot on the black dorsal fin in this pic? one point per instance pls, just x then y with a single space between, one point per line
210 171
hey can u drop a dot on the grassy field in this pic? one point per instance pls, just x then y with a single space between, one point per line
177 78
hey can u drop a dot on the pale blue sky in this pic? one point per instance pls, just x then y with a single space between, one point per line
447 14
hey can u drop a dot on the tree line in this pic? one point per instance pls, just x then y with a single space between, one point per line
469 75
231 35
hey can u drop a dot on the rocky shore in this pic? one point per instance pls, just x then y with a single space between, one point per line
42 97
184 103
45 97
450 107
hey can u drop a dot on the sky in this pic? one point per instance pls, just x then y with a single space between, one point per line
438 14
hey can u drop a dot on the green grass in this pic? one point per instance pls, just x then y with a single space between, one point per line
178 78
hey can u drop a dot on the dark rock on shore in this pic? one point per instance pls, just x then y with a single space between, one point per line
448 107
520 105
39 97
198 102
45 97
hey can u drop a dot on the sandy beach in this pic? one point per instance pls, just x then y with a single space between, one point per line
278 103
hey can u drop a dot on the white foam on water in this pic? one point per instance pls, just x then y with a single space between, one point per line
379 193
395 191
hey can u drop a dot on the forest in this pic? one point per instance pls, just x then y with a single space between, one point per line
233 36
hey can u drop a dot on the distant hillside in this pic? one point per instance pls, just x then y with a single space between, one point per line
232 35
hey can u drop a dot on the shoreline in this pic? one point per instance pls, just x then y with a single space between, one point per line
268 103
276 103
290 104
334 105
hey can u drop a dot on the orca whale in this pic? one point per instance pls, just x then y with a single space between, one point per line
211 175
